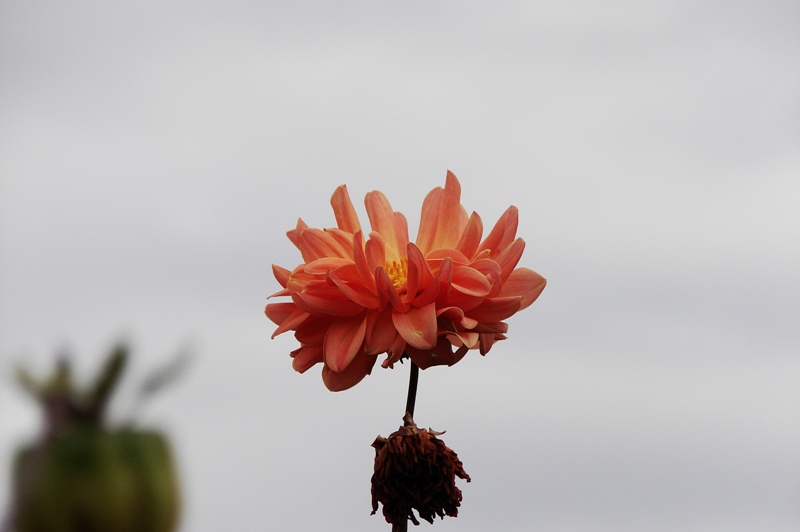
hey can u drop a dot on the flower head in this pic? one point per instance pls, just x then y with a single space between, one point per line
415 470
357 295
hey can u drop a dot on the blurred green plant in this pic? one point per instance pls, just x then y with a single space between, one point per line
82 475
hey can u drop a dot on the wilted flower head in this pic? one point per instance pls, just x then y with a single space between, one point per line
415 470
358 295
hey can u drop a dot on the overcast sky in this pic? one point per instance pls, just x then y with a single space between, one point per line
153 154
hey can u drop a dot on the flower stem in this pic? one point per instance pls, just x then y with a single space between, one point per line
411 400
412 389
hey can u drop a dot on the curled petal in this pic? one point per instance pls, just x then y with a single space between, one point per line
375 249
470 281
488 340
503 232
321 266
280 293
318 244
355 292
281 274
279 312
492 327
493 273
419 276
456 315
294 234
526 283
343 239
440 355
305 357
395 352
362 265
387 290
509 257
471 237
384 221
289 322
343 341
495 309
417 326
443 218
468 339
346 217
437 255
313 330
360 367
380 334
324 298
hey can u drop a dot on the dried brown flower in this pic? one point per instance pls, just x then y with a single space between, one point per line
415 470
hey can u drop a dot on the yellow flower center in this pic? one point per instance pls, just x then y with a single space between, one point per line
398 272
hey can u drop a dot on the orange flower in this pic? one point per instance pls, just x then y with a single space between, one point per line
356 296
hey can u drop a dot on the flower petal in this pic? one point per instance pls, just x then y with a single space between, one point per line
290 322
502 233
470 281
355 292
526 283
305 357
343 341
443 218
318 244
346 217
380 333
360 367
281 274
384 221
509 257
321 266
495 309
324 298
471 237
362 265
417 326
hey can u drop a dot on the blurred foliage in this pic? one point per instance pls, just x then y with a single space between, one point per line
82 476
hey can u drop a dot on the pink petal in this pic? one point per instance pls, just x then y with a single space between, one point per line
503 232
291 322
526 283
419 275
395 352
355 292
346 217
387 290
278 312
281 274
317 244
383 221
417 326
360 259
325 299
470 281
294 234
305 357
443 218
375 249
495 309
471 237
380 333
321 266
509 257
360 367
343 341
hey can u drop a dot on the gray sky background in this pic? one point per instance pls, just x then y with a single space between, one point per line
152 156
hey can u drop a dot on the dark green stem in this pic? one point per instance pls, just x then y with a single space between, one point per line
412 389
